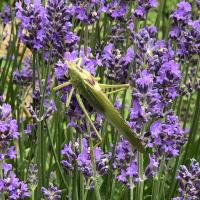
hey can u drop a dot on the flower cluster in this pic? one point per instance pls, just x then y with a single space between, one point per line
87 11
182 13
146 101
32 178
32 23
24 76
117 62
5 14
59 38
82 156
37 100
189 181
125 52
166 137
157 80
8 132
155 84
116 9
197 3
185 31
143 7
125 165
117 36
11 185
51 193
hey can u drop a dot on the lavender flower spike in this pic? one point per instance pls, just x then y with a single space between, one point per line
189 181
52 193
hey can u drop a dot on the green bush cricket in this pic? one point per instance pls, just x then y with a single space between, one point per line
87 86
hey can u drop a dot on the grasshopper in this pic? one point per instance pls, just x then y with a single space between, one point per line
86 85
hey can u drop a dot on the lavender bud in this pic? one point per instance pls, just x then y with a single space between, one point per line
51 193
32 176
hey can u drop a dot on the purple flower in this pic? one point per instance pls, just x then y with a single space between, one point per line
175 32
69 156
24 76
107 52
139 12
11 185
189 181
155 129
32 176
116 10
51 193
117 35
5 14
32 24
59 38
11 153
60 70
182 14
83 158
29 128
117 62
125 165
182 32
197 3
8 132
168 79
89 62
6 168
166 137
50 108
122 177
5 110
128 58
87 12
152 167
143 7
145 81
157 79
146 100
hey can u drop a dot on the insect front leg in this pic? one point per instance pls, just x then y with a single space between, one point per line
115 91
106 86
69 97
118 88
59 87
80 102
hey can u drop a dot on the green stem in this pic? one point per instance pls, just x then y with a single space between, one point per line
158 19
157 181
33 194
140 187
55 156
110 179
74 190
193 131
86 39
96 186
173 180
82 195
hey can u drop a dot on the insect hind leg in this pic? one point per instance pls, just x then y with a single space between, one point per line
80 102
